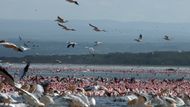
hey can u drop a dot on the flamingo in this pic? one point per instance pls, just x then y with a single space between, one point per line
186 99
66 28
73 1
8 77
30 98
166 38
20 38
141 101
58 61
126 98
139 39
5 99
91 50
24 48
96 28
11 45
61 20
23 73
79 100
97 43
179 101
71 43
92 88
47 100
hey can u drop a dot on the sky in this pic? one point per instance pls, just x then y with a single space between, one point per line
166 11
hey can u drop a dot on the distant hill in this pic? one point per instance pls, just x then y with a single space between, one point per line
152 58
117 32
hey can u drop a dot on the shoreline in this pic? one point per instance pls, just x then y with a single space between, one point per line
138 72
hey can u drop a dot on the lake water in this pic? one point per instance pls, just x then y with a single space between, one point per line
109 71
101 71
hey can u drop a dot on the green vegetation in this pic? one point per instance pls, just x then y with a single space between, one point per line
156 58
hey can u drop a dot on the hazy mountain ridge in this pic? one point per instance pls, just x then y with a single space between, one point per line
117 32
118 38
156 58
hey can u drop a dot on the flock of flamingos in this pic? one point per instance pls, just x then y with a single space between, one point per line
28 90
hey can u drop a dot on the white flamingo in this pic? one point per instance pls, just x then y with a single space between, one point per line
80 100
31 99
97 43
91 50
24 48
11 45
47 100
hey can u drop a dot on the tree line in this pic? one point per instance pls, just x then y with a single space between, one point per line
152 58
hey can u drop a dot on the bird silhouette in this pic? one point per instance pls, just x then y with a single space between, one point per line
66 28
166 38
71 43
20 38
61 20
23 73
11 45
96 28
58 61
8 77
73 1
139 39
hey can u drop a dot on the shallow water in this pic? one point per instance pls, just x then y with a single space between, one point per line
103 71
46 70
